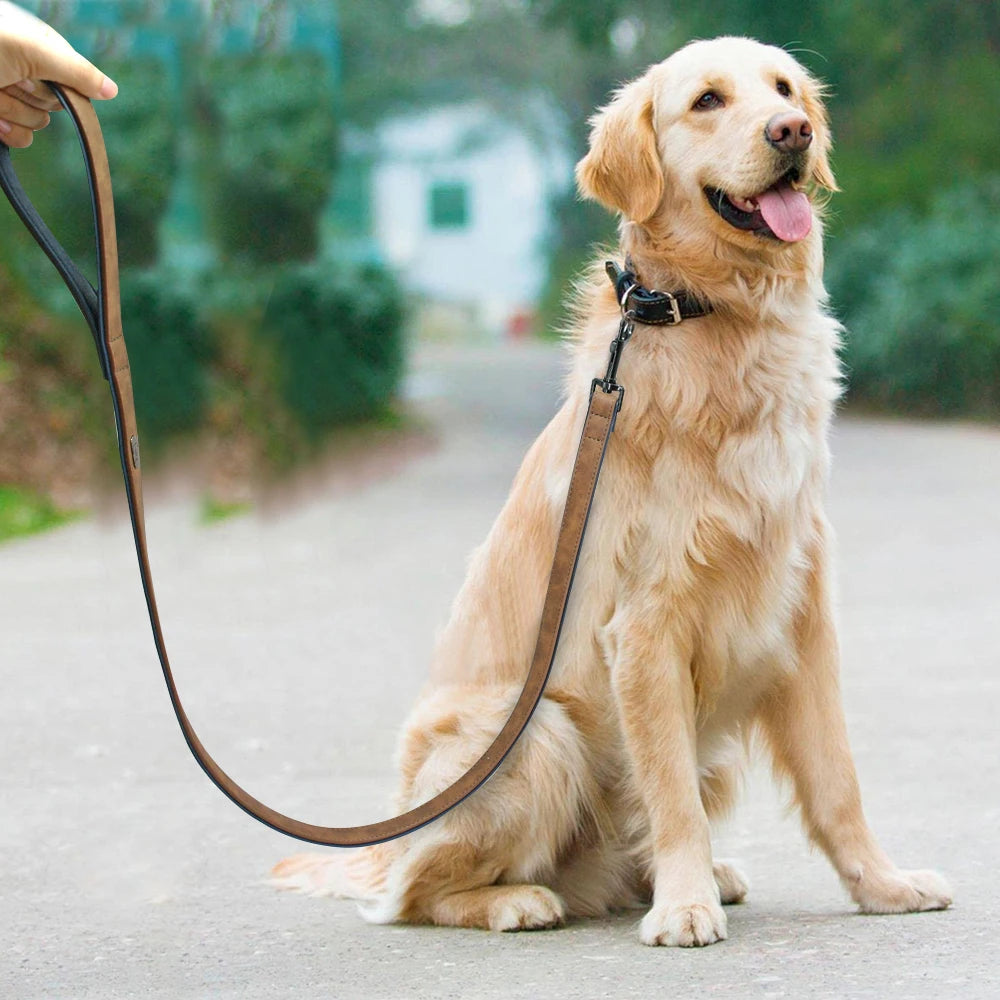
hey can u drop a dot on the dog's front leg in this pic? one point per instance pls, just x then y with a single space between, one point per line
656 701
803 720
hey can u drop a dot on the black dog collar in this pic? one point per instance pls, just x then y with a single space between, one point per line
652 308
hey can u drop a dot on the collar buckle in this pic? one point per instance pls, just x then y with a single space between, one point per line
675 308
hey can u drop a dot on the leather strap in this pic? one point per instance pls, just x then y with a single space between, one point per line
102 310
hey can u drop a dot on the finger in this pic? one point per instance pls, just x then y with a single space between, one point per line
62 64
38 96
15 136
44 96
16 112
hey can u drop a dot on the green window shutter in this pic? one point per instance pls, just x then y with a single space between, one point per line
449 205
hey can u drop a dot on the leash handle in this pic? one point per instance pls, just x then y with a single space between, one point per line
102 310
79 285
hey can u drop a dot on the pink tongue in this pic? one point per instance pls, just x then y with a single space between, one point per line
786 211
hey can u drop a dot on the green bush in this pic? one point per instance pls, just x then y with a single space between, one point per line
920 297
337 342
269 153
169 350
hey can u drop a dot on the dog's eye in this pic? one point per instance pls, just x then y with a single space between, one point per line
709 100
783 88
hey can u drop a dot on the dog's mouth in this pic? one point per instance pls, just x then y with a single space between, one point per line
782 212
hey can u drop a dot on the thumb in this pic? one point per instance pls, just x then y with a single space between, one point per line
63 64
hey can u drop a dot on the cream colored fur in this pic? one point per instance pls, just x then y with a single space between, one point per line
702 609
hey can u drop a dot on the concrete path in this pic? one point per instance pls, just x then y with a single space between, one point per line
300 640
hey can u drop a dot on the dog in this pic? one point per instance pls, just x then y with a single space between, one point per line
702 613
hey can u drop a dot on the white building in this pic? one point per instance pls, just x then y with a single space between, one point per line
460 207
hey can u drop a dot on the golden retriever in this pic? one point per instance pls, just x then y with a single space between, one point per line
702 609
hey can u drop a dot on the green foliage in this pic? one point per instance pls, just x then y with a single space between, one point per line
337 341
50 384
25 513
169 349
920 296
214 511
269 153
902 147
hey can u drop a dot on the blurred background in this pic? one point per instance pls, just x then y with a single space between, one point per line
308 191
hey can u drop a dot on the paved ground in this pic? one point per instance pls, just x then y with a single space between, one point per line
300 640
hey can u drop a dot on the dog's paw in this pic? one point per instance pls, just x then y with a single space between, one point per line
691 926
526 908
898 891
733 884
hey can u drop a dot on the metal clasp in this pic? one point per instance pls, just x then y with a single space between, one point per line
675 309
623 301
625 330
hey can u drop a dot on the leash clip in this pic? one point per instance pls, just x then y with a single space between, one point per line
626 328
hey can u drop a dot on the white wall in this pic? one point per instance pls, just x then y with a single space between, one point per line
497 262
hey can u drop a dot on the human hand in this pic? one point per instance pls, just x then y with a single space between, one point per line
30 52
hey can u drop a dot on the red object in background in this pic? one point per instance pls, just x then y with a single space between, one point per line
520 324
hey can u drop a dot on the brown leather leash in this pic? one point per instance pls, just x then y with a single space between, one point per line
102 310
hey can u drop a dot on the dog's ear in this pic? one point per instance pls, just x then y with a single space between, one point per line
815 109
622 170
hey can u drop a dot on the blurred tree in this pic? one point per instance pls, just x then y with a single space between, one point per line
268 151
922 317
347 353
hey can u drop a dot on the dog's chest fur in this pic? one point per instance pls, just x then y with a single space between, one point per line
720 459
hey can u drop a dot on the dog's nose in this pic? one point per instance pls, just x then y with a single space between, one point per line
790 130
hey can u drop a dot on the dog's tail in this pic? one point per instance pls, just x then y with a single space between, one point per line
357 874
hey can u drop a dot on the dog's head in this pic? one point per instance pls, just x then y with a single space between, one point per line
729 135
